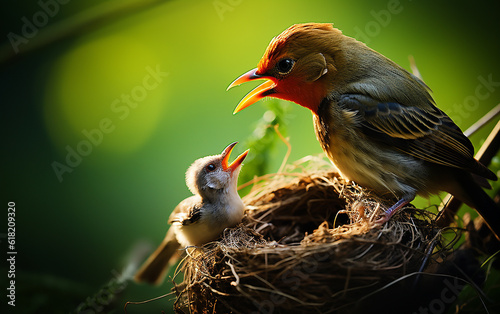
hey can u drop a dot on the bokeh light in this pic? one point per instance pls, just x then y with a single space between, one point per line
106 78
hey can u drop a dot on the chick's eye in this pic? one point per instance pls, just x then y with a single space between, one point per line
285 65
210 167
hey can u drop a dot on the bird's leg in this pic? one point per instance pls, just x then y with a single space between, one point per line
392 210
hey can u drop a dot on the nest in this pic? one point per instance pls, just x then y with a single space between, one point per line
308 244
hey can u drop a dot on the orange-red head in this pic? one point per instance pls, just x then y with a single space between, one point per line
298 66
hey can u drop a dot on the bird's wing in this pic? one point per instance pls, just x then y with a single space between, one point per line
424 132
155 268
187 212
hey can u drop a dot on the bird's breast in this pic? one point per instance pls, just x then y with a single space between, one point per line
214 218
366 162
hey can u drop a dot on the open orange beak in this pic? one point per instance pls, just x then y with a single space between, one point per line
236 163
261 91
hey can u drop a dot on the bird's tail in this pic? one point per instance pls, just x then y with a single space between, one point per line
155 268
476 197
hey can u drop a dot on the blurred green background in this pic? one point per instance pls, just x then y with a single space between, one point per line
88 66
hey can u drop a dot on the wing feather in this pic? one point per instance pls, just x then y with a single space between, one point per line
424 132
187 212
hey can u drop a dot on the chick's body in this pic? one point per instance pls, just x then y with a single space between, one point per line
200 218
209 226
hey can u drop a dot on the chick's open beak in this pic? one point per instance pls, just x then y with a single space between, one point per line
236 163
261 91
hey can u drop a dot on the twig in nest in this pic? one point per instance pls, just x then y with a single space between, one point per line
289 148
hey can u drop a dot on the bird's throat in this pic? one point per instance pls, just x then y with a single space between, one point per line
308 95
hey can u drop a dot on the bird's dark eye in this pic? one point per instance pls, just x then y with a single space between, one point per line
210 167
285 65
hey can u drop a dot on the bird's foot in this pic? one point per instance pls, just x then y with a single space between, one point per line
386 216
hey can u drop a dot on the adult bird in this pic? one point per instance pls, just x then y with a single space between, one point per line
202 217
375 121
